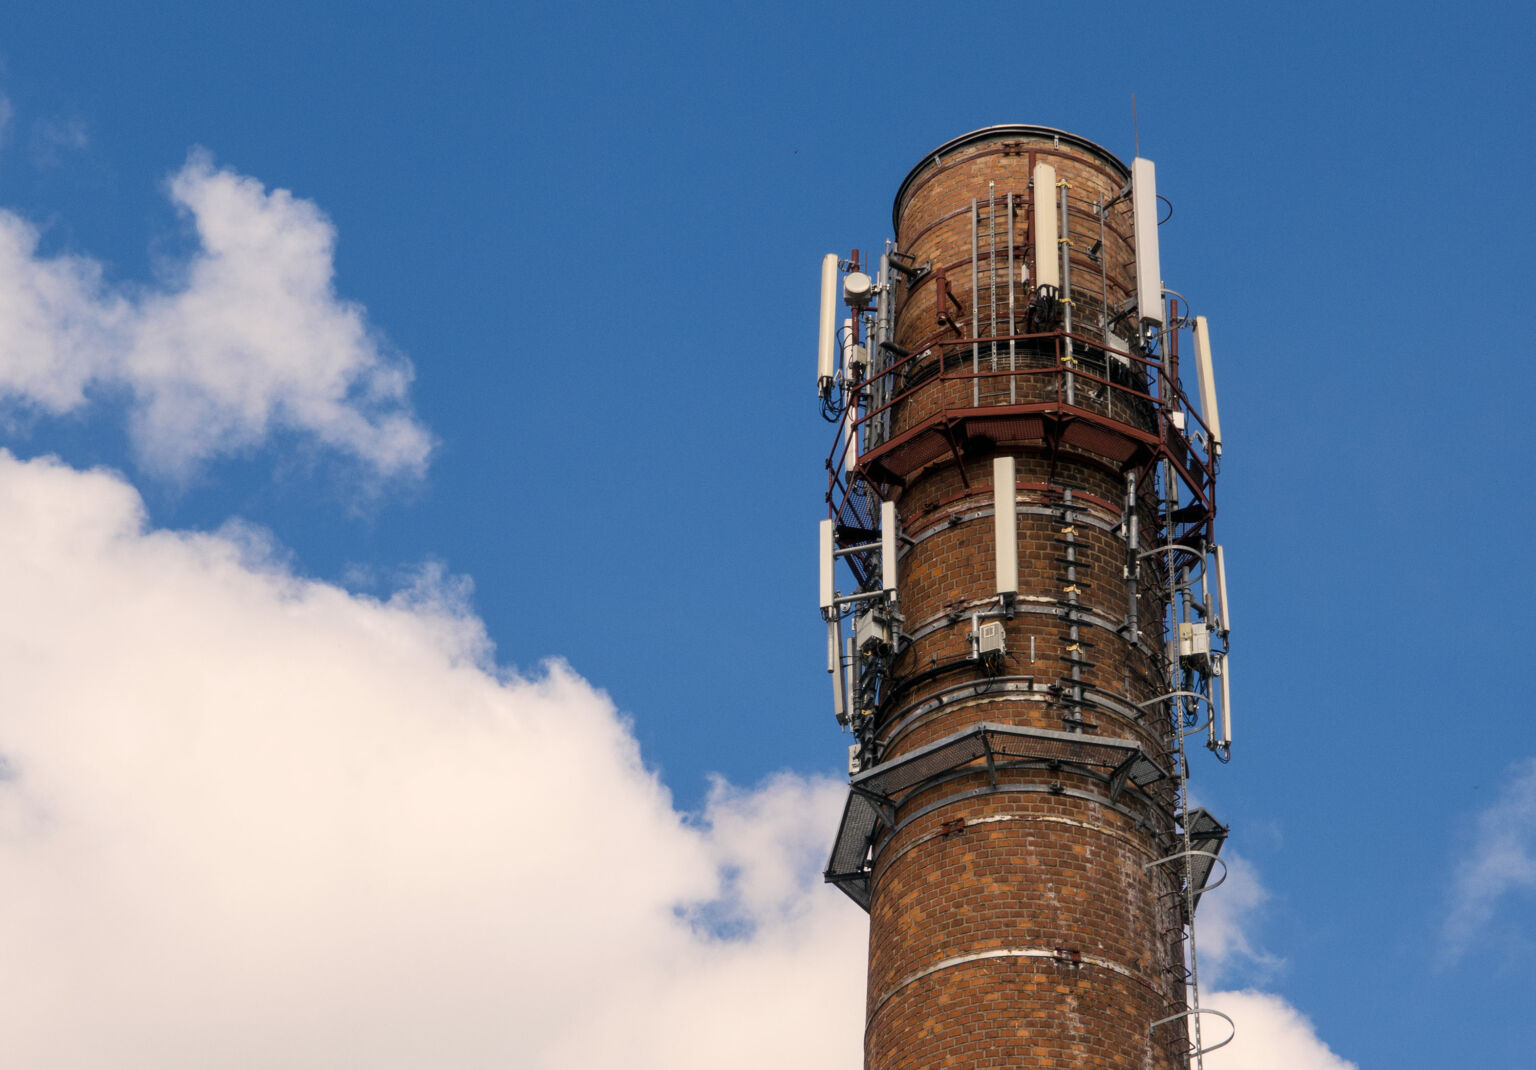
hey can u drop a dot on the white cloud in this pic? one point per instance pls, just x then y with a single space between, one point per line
251 820
1271 1035
250 339
1227 921
1500 862
1270 1032
53 139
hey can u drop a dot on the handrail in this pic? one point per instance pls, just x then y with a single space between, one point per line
1142 406
1126 393
1194 1051
1177 399
1215 860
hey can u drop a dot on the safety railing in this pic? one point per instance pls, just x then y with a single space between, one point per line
1054 372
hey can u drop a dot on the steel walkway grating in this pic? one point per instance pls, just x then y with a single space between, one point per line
872 795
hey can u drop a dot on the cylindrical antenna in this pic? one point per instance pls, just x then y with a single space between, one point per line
1047 251
1207 383
828 594
1226 699
1005 524
851 416
1149 274
826 350
1221 589
888 547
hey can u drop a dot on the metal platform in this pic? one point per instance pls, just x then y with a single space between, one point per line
1206 835
1116 405
875 793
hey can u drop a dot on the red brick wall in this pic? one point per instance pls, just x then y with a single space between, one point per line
976 890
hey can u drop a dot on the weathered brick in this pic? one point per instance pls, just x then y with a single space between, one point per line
971 898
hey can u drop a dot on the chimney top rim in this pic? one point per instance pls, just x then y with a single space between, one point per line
991 133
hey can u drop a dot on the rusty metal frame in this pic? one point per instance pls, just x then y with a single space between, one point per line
1060 425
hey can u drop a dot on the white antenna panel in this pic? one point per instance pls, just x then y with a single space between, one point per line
1221 587
888 546
1149 274
1207 383
834 629
828 595
851 416
1047 251
1005 519
826 349
1226 699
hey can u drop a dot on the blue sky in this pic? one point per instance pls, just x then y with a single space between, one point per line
593 233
